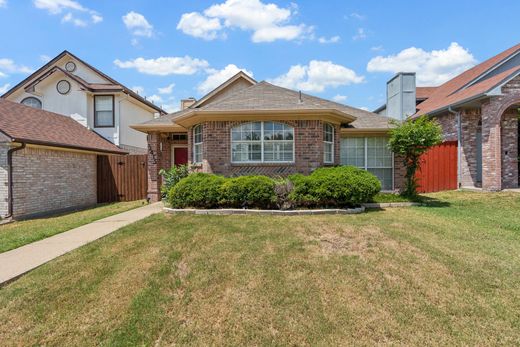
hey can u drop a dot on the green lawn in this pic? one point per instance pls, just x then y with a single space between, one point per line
20 233
446 274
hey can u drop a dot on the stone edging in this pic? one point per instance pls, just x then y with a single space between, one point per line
381 205
232 211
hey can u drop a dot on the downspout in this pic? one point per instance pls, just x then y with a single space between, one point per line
10 200
459 146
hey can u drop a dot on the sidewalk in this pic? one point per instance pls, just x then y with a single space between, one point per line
18 261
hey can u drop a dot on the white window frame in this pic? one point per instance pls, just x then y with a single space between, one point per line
365 166
262 141
196 144
328 143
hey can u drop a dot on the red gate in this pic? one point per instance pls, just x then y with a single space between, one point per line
438 168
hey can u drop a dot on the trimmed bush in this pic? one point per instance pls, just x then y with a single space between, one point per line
249 192
337 186
199 190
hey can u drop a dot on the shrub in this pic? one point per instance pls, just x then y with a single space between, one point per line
198 190
338 186
248 191
172 176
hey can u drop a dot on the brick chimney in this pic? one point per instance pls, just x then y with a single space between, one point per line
185 103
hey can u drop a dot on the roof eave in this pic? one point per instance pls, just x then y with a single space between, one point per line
61 145
149 128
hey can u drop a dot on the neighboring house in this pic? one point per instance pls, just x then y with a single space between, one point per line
47 161
248 127
67 85
479 109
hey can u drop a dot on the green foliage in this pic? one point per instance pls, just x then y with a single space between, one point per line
248 191
198 190
172 176
337 186
410 140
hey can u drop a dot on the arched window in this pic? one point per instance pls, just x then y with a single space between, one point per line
328 143
33 102
197 144
262 142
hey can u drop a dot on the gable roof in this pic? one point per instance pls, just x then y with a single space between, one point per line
460 88
238 76
22 123
95 87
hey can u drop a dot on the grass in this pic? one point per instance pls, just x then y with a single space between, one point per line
20 233
391 197
445 274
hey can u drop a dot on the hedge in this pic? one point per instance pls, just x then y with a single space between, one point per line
337 186
343 186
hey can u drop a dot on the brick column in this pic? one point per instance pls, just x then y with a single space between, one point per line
491 153
154 165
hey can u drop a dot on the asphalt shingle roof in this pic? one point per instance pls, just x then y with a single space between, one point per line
27 124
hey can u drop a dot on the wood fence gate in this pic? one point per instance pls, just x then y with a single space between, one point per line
121 177
438 168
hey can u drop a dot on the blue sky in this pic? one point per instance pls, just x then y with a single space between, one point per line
342 50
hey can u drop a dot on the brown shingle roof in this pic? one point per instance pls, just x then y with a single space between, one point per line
453 91
266 96
422 93
26 124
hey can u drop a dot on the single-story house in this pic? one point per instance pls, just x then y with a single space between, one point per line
249 127
479 109
72 87
47 161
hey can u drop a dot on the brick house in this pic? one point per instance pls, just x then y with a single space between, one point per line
47 161
248 127
479 109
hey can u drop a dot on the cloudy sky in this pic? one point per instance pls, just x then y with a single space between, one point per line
343 50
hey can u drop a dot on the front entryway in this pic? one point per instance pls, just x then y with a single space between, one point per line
179 155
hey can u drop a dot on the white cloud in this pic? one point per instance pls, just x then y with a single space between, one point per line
377 48
333 39
156 99
339 98
317 76
2 75
360 35
432 68
45 58
217 77
166 90
357 16
73 7
138 89
165 66
171 108
4 88
197 25
268 22
137 24
3 3
9 66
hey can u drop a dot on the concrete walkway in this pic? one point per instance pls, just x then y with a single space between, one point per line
18 261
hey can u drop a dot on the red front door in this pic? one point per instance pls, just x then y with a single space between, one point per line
180 156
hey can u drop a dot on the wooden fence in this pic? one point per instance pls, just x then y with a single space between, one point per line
438 168
121 178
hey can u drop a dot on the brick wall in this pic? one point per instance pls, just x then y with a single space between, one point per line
48 180
3 179
308 143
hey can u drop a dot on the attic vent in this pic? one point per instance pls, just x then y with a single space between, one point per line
70 66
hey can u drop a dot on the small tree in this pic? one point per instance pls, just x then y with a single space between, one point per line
410 140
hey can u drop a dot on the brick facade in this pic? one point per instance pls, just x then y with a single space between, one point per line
308 150
47 180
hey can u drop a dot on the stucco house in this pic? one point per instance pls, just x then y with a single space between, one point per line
47 161
69 86
479 109
249 127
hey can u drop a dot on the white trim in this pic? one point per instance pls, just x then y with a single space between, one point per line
197 143
173 146
262 142
328 142
491 69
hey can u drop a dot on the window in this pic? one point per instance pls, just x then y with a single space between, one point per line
267 142
328 143
197 144
372 154
103 111
32 102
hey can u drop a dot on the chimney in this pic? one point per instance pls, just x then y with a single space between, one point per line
185 103
400 96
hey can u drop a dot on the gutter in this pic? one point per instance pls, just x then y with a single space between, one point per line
10 200
459 145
